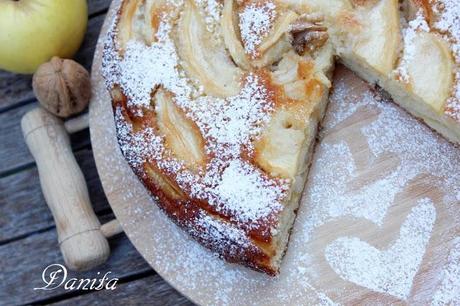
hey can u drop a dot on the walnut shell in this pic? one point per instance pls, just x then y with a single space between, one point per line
62 86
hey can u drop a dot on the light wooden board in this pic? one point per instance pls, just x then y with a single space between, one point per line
379 220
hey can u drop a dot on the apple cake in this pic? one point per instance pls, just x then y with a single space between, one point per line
217 102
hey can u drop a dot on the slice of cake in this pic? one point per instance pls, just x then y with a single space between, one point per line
217 105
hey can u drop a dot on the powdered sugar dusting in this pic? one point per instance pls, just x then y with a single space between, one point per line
243 190
357 186
232 122
143 68
409 33
391 271
256 20
221 234
139 70
212 10
448 292
418 151
137 147
448 22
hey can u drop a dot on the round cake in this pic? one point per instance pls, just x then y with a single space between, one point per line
217 103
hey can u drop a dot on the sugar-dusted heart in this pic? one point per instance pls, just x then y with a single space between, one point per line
391 271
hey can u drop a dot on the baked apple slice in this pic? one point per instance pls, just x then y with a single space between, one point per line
429 65
231 35
378 44
182 135
203 58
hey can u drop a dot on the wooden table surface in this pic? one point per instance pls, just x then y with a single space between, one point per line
28 241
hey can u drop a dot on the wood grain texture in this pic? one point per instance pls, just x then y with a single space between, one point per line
24 211
15 153
14 88
111 228
151 290
97 6
23 262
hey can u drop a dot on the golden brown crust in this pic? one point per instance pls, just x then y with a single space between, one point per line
185 212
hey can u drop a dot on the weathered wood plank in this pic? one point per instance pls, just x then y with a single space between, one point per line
14 152
23 261
23 209
152 290
16 88
86 52
97 6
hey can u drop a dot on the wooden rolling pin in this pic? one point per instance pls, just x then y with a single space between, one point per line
82 239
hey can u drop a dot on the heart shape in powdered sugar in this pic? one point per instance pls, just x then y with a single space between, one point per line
391 271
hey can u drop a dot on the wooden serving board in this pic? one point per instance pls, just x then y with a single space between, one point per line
379 220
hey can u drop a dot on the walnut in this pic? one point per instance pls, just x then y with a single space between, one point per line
62 86
308 33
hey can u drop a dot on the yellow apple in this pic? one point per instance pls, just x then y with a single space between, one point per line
33 31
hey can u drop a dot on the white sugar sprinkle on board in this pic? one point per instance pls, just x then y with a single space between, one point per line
448 292
390 271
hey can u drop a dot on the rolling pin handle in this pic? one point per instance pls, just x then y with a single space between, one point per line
82 241
111 228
